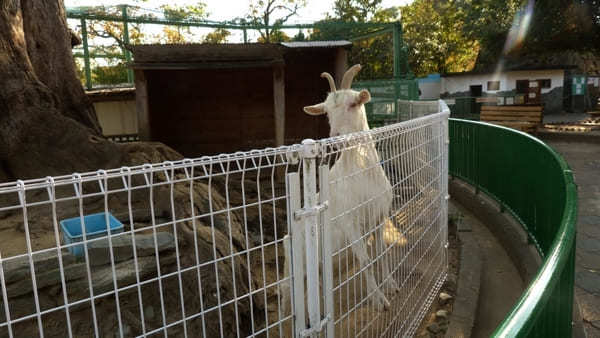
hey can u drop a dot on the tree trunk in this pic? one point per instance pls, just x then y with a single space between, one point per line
49 48
47 124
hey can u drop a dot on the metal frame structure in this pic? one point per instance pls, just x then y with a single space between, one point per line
369 30
202 252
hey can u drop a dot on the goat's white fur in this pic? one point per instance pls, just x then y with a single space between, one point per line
358 183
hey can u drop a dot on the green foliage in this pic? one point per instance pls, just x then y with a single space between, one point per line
433 31
110 75
487 22
562 25
355 10
275 36
179 34
375 52
189 12
555 25
299 37
219 35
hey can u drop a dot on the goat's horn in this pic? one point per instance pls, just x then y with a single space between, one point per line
330 80
349 76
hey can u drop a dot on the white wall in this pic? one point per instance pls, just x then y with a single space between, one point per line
117 117
429 90
508 80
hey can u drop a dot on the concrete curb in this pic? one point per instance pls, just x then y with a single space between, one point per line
503 226
462 318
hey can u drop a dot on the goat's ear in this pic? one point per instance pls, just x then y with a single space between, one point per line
363 97
317 109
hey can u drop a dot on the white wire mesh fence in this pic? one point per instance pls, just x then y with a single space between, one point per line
198 248
411 109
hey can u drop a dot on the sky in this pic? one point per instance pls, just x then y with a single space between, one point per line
228 9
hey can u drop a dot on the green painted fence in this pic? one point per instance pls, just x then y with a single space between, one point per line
532 182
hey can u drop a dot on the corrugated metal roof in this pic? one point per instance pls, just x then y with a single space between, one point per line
317 44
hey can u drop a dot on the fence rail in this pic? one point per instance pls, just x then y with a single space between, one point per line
220 246
532 182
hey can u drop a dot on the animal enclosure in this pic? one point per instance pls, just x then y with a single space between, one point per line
205 241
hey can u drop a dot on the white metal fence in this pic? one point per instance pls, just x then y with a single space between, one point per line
411 109
219 246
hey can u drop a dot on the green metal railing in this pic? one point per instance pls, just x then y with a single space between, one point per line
532 182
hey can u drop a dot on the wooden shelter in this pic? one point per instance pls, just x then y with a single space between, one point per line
204 99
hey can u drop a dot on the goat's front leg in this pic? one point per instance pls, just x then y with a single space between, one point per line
359 248
387 278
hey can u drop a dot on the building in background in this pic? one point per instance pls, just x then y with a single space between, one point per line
560 82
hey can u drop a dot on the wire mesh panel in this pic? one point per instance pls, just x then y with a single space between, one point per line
410 109
221 246
188 249
387 221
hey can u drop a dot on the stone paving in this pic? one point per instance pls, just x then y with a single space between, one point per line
584 159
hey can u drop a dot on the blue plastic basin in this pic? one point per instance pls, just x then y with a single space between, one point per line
95 227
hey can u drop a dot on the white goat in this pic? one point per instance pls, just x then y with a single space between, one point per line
360 192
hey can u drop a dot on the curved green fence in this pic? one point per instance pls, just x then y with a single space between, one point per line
535 184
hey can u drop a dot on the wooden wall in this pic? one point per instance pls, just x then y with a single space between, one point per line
205 112
211 111
304 87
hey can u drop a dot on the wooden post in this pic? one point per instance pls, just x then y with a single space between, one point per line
141 106
279 103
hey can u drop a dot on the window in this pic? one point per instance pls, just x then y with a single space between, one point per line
545 83
493 85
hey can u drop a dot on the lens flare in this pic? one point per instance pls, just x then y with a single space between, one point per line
519 28
516 35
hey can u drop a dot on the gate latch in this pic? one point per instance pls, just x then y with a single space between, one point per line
311 211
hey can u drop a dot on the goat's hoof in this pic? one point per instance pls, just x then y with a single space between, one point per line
391 287
392 290
381 302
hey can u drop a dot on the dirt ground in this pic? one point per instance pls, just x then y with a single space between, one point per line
430 320
249 285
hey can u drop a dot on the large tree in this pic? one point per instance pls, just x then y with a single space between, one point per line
47 124
537 26
272 13
355 10
433 31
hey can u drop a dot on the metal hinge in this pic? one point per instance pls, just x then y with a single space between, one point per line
313 330
298 214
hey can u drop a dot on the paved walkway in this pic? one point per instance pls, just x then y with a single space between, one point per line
584 159
501 285
572 117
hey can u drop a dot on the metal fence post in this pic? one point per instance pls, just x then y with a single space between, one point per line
397 38
86 55
309 169
297 255
126 41
326 241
